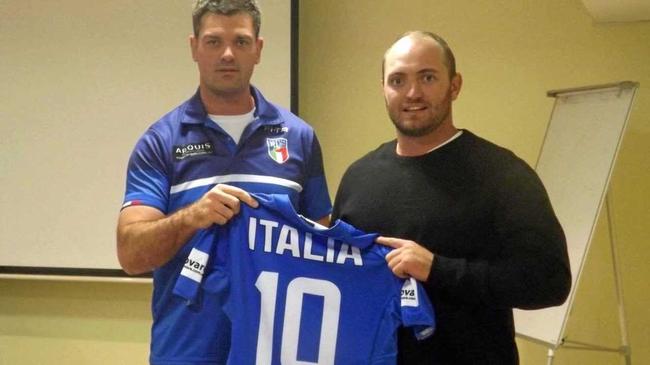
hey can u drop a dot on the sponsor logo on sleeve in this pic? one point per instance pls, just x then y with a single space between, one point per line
192 150
410 293
278 149
195 265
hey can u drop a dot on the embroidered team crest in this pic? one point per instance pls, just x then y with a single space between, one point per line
278 149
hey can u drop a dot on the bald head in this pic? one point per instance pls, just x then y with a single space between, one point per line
408 38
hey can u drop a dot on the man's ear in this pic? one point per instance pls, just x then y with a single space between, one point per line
456 84
260 44
194 44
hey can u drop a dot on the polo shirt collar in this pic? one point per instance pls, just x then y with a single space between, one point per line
265 112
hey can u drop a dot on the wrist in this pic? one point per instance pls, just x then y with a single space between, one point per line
184 219
431 268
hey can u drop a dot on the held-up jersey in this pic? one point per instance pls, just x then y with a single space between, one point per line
299 294
181 157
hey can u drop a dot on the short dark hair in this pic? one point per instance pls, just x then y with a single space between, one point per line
448 59
226 7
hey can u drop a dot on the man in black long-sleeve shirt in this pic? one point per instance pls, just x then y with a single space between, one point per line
466 217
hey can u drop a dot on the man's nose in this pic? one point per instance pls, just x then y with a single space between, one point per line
227 55
414 91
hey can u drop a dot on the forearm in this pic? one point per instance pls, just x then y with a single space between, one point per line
538 276
146 245
146 239
533 276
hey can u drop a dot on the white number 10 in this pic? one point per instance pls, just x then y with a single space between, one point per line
267 284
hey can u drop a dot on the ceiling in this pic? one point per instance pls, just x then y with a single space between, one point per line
618 10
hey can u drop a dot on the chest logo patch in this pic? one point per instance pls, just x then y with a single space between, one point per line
193 150
278 149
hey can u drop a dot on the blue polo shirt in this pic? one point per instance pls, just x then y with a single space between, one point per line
180 158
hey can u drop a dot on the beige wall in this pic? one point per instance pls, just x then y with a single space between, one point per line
510 53
77 323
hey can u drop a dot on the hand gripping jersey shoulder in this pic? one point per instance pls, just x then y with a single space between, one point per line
299 294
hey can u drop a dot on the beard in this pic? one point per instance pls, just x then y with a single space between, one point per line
438 114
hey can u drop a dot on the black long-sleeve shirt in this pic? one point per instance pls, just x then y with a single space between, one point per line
486 216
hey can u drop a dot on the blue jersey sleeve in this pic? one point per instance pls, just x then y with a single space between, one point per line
147 181
411 309
385 344
416 309
315 201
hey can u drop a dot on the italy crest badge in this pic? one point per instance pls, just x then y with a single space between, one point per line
278 149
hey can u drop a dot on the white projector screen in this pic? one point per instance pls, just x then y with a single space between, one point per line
80 84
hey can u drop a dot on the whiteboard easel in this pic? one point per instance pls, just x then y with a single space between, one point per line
575 164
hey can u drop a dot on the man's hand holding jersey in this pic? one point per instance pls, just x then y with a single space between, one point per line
408 258
217 206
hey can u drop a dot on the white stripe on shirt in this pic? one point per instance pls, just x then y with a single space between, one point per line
225 179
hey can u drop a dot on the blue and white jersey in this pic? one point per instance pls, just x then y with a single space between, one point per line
303 294
180 158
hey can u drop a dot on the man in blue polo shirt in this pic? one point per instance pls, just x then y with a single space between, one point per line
193 167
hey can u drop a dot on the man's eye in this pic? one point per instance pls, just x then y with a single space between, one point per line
428 78
395 82
242 42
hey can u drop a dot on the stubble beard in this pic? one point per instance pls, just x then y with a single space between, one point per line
224 91
440 114
225 87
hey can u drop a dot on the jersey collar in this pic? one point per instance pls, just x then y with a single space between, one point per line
265 112
340 230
